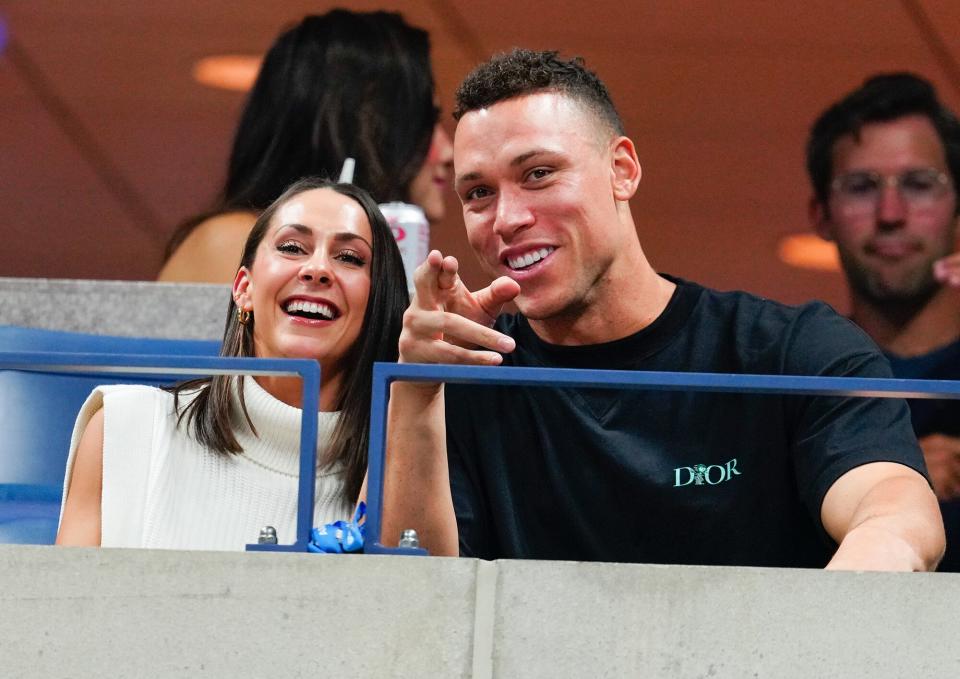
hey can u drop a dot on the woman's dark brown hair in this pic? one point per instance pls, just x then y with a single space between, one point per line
209 413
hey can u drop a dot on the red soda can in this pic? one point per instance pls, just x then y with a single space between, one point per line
412 231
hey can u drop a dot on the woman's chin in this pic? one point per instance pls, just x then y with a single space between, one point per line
302 350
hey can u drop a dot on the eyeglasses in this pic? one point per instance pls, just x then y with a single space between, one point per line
861 191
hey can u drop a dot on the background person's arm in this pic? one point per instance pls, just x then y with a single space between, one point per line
212 251
80 524
884 517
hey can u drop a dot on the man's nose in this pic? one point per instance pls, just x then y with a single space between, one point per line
891 207
513 213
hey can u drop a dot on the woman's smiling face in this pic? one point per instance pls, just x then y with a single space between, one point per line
310 280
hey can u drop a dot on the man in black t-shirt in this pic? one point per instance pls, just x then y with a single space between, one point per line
545 174
884 163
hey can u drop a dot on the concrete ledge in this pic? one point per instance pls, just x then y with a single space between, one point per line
125 308
130 613
136 613
620 620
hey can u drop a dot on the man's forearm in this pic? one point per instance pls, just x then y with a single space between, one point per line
895 526
416 476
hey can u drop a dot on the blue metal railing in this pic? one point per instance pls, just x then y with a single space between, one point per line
194 366
386 373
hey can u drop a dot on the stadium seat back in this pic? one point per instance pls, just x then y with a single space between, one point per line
37 412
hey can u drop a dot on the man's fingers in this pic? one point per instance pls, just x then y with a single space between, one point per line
446 323
448 278
492 298
426 281
451 326
947 270
472 334
416 348
444 352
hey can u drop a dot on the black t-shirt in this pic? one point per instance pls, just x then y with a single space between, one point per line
671 477
932 415
937 416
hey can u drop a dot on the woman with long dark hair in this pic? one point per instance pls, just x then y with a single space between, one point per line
342 84
206 464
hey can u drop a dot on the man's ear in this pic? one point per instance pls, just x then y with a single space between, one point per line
243 289
625 168
819 217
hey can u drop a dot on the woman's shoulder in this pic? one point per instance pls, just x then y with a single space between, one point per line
132 391
132 397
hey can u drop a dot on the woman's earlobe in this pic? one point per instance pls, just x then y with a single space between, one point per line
242 287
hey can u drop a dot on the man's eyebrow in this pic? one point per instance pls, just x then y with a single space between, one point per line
468 177
519 160
524 157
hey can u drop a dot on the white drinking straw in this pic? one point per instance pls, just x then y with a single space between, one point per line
346 172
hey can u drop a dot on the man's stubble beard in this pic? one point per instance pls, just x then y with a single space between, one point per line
911 289
571 303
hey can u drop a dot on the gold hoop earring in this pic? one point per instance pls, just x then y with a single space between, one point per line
243 316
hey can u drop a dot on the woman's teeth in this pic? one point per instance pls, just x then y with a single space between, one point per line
303 308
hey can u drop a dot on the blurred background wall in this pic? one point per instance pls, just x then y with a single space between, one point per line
108 140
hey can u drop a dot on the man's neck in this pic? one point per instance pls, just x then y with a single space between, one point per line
910 330
625 305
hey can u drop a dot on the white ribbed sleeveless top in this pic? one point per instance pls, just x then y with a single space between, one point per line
162 489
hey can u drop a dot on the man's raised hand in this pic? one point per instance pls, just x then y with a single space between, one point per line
446 323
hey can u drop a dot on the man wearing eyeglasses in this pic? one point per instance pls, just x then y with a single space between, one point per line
884 163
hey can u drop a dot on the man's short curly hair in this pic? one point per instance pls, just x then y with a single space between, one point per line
521 71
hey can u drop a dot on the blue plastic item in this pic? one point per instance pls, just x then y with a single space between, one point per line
340 537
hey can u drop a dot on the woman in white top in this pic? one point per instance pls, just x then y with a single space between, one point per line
207 463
